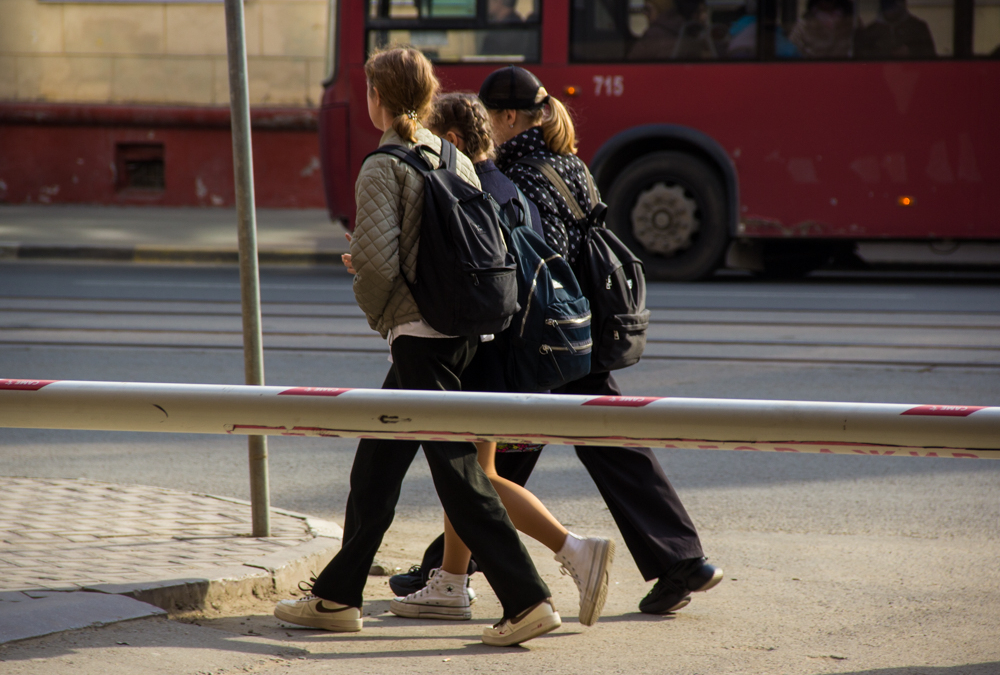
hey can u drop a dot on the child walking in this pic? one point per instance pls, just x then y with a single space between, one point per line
389 193
462 120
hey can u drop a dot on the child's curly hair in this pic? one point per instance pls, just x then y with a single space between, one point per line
465 115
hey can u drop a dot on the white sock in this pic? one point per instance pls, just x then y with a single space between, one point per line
572 546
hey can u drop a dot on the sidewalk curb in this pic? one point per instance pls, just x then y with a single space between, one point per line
163 254
38 612
31 614
270 576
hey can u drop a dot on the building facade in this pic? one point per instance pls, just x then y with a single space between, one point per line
128 102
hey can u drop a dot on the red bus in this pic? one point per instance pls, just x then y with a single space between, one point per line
762 134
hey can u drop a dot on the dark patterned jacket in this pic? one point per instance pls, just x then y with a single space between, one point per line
562 231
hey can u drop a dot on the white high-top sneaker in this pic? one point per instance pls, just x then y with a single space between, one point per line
444 597
588 561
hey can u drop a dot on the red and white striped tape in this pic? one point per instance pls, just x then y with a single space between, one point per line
886 429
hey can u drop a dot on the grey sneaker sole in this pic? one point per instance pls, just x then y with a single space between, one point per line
334 624
525 633
415 611
593 599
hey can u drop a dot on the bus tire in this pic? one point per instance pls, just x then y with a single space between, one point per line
670 209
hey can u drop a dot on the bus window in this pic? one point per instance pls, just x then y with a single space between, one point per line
986 28
415 9
458 31
905 29
873 29
663 30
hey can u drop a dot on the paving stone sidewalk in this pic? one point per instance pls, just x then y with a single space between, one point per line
172 550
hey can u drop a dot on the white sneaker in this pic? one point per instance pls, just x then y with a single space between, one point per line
316 613
588 562
444 597
531 623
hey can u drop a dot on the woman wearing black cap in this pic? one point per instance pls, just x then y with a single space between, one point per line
527 121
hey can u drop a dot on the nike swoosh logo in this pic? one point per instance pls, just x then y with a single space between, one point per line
323 610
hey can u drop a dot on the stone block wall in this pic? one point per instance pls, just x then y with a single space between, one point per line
167 53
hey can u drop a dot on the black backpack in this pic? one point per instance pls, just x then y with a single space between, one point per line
611 277
466 281
548 342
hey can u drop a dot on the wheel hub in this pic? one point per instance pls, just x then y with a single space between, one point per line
664 220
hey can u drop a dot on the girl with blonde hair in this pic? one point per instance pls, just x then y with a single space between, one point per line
389 195
528 122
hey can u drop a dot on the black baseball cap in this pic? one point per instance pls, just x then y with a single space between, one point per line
511 88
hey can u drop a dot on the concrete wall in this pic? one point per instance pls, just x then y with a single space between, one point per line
159 53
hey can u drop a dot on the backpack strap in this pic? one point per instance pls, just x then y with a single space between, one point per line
560 185
403 154
557 182
518 206
449 156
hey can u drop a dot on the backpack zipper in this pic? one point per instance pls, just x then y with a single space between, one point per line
547 349
557 324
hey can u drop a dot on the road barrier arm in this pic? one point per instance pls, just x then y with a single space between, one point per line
887 429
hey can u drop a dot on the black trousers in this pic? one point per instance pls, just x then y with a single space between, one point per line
648 511
466 494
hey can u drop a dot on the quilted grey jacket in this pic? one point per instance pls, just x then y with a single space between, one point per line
390 199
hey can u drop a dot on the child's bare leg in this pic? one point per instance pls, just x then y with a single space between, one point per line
526 511
456 554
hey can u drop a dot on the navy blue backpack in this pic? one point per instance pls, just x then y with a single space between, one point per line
549 341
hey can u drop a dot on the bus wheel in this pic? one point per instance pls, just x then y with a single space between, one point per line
670 209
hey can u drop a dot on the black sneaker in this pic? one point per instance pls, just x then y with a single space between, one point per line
665 597
410 582
703 577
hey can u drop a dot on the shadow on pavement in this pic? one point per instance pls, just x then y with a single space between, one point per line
965 669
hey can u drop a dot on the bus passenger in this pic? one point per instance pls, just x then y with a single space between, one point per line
895 33
825 30
462 120
503 11
516 44
742 43
656 528
400 88
678 29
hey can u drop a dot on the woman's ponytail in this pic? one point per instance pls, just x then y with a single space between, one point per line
558 130
406 86
406 126
556 122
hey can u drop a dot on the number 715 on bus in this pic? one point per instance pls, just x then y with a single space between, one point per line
609 85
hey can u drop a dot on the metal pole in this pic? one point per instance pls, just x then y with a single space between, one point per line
887 429
253 351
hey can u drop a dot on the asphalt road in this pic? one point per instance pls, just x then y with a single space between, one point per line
834 563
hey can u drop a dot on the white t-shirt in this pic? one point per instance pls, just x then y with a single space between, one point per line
422 329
